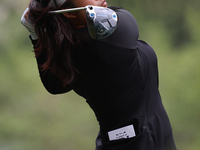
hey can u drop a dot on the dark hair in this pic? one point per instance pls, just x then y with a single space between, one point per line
57 39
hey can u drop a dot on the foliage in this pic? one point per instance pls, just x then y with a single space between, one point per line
31 118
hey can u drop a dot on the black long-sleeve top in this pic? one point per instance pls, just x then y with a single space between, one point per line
119 80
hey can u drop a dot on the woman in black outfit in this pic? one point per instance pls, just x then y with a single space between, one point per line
117 75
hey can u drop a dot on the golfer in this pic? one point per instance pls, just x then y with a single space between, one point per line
117 75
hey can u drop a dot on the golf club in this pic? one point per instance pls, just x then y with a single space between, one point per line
101 21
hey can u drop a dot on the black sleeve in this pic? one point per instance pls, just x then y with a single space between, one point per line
50 81
126 33
119 49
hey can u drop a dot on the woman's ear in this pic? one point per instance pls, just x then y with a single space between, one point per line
70 15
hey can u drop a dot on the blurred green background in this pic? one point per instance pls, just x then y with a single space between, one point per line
33 119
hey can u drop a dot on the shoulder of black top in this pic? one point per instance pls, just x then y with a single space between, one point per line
115 8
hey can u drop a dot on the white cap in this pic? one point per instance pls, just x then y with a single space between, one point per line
54 3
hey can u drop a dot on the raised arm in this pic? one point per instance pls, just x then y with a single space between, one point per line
51 82
127 32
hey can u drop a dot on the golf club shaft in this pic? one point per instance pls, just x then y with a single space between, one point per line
67 10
